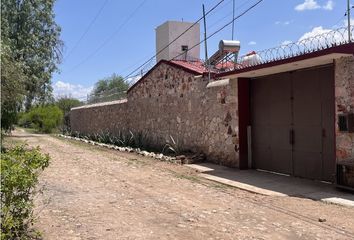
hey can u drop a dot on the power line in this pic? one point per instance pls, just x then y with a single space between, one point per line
87 29
226 25
135 63
336 24
107 40
213 24
342 17
211 35
195 23
222 7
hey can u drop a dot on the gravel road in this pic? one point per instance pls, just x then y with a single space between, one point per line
95 193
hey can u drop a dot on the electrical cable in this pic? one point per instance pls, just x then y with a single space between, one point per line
107 40
195 23
226 25
87 30
211 35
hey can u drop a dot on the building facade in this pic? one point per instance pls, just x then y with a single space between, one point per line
292 116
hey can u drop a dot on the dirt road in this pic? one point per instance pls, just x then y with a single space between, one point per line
95 193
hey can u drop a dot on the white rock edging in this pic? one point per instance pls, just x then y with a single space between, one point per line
158 156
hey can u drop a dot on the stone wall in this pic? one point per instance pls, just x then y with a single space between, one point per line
172 102
344 95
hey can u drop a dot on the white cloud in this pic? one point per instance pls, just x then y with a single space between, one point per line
329 5
345 22
314 32
78 91
252 43
285 23
313 4
307 5
320 36
286 42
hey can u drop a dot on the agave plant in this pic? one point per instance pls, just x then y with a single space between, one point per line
173 146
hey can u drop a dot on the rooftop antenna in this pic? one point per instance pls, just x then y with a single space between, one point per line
205 43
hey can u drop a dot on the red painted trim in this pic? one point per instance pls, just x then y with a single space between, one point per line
345 48
175 65
243 119
335 118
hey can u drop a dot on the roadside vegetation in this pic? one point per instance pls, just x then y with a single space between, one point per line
49 118
65 104
20 168
138 140
31 50
44 119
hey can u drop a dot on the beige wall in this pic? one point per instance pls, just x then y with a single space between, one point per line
344 94
169 31
171 102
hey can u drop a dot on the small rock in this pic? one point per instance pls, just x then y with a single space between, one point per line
181 157
322 220
181 225
144 153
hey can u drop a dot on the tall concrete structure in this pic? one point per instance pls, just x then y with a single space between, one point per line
170 30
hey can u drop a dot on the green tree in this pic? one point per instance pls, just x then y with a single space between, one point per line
110 88
43 118
12 88
65 104
29 30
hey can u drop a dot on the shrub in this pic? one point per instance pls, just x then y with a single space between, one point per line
20 168
43 119
65 104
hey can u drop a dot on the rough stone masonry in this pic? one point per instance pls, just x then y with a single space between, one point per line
170 101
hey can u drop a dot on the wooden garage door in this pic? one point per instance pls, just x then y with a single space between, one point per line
293 123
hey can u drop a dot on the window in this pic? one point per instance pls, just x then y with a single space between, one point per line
346 122
184 48
342 123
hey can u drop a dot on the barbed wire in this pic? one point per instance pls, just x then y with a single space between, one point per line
311 44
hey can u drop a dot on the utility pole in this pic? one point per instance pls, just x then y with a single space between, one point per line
348 14
205 36
205 43
233 17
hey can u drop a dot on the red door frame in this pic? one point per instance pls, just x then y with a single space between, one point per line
244 119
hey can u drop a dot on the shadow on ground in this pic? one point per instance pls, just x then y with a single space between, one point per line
274 184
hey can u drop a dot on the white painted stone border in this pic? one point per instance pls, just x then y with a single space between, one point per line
158 156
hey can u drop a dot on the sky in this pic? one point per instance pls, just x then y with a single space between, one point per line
102 37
